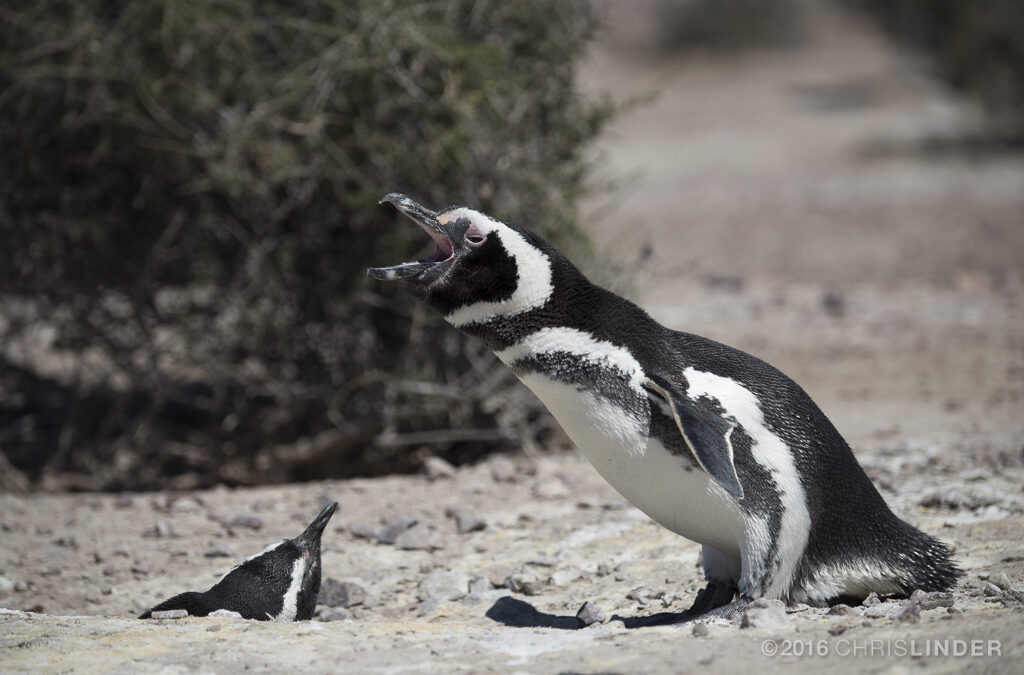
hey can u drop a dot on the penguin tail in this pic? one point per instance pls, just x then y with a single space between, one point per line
926 564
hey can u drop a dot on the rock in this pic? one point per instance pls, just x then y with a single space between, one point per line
419 538
159 531
1002 581
797 608
521 583
437 468
498 574
123 501
226 613
503 470
49 571
218 551
983 575
700 630
871 600
6 584
467 522
590 614
344 594
363 531
106 589
443 586
565 576
550 488
991 590
935 599
605 568
480 584
766 614
880 610
170 614
335 614
837 630
394 527
841 610
186 505
908 613
246 522
645 596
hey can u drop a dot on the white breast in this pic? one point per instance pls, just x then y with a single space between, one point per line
642 470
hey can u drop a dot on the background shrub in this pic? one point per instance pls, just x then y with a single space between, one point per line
188 204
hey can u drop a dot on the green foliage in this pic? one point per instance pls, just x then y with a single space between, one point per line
189 195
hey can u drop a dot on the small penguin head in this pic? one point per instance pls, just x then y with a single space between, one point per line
481 268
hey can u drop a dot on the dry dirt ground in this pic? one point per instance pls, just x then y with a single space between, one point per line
797 203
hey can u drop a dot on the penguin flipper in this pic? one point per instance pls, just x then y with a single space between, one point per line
706 433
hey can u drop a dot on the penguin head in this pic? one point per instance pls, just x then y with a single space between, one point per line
481 268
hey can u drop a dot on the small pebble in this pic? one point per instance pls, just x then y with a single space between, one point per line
935 599
50 571
436 468
106 589
565 576
480 584
700 629
983 575
419 538
218 552
246 522
170 614
443 586
871 600
226 613
908 613
991 590
840 610
770 616
344 594
394 527
590 613
520 583
335 614
1002 581
467 522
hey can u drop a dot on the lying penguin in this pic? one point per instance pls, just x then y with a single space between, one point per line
710 442
281 583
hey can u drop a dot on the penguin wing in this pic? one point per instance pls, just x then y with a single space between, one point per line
707 434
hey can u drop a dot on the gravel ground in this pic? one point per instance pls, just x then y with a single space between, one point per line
814 230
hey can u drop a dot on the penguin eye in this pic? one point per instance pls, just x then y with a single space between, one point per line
475 239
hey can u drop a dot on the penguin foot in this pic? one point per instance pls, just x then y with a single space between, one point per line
714 600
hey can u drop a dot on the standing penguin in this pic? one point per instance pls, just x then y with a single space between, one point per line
710 442
281 583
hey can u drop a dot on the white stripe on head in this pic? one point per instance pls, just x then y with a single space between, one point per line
533 287
291 598
773 454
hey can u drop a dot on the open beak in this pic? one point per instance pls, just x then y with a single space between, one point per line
310 538
444 249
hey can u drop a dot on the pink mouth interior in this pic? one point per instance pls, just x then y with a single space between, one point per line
443 249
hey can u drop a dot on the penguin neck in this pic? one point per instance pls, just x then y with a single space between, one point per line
574 303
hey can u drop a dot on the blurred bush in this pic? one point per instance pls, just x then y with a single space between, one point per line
977 46
188 204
